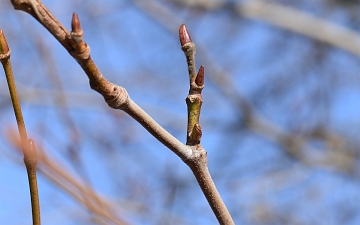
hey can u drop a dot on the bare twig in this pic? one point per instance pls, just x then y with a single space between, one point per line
294 145
198 163
117 97
27 145
194 99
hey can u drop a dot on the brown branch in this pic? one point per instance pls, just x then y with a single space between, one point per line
198 160
27 145
198 165
116 97
294 145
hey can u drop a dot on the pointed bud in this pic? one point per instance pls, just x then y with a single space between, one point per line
75 23
184 35
4 48
77 34
200 76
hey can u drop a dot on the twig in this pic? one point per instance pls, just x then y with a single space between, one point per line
294 145
198 161
194 99
116 97
27 145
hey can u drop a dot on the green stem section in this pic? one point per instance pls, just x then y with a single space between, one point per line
28 149
193 107
15 100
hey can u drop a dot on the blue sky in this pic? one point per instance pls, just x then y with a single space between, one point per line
277 71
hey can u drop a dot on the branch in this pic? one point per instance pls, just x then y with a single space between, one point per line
116 97
198 162
27 145
70 183
294 145
302 23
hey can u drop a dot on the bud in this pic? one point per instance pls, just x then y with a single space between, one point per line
196 134
200 76
184 35
4 48
75 23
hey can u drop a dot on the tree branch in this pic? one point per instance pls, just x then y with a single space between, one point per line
27 145
116 97
294 145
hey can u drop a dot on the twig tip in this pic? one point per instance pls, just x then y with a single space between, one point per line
4 48
184 35
196 133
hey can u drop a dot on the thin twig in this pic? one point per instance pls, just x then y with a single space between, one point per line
27 146
294 145
117 97
198 161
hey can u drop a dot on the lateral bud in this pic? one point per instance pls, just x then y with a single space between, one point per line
196 134
75 23
81 48
200 77
76 31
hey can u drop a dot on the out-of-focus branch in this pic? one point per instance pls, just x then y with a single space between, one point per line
291 19
48 97
80 191
302 23
66 119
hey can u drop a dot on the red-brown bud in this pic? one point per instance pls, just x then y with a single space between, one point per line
184 35
200 76
75 23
